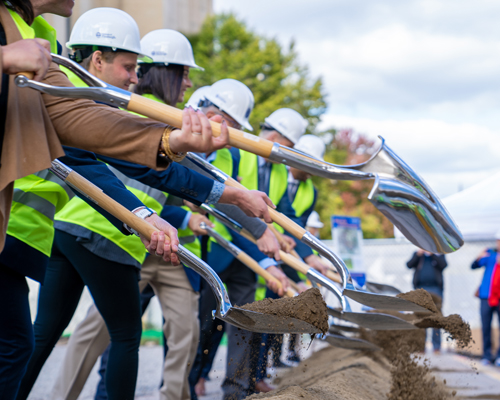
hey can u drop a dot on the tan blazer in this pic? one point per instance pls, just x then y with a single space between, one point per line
37 125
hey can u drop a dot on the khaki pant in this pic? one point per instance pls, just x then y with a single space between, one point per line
180 309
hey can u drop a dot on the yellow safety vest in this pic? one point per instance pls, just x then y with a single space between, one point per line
304 197
39 196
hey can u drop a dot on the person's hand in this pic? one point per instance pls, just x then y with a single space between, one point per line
194 208
280 275
420 252
164 243
302 287
196 134
29 55
315 262
269 245
287 243
252 202
195 221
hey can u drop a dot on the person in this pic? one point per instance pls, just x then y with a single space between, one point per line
82 248
165 80
429 276
489 293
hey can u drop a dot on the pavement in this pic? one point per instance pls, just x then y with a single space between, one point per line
465 375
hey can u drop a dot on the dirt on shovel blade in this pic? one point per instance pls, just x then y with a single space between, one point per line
308 306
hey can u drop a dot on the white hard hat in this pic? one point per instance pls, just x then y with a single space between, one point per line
311 145
108 27
288 122
199 94
167 46
234 98
314 221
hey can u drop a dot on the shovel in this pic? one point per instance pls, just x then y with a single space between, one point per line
244 319
378 301
398 192
370 286
375 321
337 340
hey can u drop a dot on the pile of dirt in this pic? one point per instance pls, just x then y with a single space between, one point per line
308 306
334 374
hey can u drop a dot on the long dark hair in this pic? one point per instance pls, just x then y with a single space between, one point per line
24 9
162 81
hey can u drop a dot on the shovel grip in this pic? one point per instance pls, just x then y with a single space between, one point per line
255 267
29 75
173 116
110 205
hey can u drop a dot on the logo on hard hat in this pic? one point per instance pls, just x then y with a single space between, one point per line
105 35
98 34
158 53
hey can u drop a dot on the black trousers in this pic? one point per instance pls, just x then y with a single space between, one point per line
115 290
16 331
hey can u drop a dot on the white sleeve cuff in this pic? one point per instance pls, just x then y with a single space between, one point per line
185 221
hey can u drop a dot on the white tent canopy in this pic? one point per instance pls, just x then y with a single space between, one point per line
476 210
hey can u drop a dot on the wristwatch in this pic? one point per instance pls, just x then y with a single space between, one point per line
142 212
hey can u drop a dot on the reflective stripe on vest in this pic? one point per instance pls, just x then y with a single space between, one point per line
37 198
304 197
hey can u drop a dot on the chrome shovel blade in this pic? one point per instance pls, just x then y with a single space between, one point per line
383 302
350 343
266 323
336 328
410 204
374 321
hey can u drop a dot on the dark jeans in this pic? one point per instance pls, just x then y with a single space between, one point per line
486 317
101 394
115 290
436 333
16 331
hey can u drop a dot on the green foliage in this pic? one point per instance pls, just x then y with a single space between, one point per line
226 48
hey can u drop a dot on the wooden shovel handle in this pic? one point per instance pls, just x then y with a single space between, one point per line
173 116
110 205
255 267
29 75
282 220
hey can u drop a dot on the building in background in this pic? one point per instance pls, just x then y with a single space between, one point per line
185 16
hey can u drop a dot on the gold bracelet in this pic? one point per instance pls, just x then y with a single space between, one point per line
165 147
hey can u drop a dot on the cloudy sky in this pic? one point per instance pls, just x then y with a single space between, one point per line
425 74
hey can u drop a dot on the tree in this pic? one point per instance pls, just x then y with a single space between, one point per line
349 197
226 48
